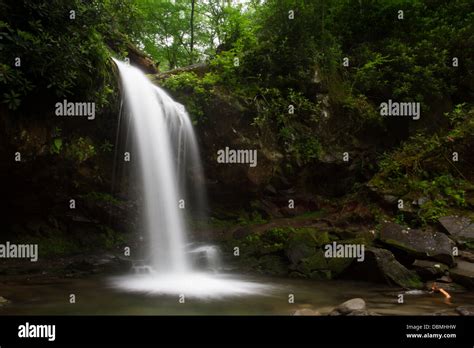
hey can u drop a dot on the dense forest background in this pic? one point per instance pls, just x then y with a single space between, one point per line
301 81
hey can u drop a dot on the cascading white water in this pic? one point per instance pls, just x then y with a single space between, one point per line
157 120
166 146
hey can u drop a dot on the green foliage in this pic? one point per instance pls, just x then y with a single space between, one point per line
169 37
194 91
423 167
110 239
101 197
60 56
80 149
254 218
56 146
409 59
289 119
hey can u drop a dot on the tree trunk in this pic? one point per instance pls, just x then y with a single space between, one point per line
191 60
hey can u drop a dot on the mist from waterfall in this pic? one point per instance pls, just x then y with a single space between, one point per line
167 153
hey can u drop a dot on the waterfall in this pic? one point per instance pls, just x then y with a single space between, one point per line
167 149
164 135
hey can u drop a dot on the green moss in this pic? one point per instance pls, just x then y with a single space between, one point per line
53 244
101 196
310 237
312 215
110 239
317 261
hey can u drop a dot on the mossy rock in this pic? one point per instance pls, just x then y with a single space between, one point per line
338 265
324 274
317 261
304 242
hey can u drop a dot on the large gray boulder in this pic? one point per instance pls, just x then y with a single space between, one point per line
381 266
423 244
460 228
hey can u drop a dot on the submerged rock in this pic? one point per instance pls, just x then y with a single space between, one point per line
418 243
306 312
461 228
465 310
3 301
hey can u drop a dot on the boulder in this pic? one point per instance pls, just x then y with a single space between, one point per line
352 305
304 243
428 270
460 228
317 266
418 243
463 274
381 266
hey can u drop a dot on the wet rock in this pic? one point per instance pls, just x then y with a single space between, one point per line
461 228
306 312
466 255
99 264
449 287
463 274
429 269
80 266
389 199
418 243
465 310
445 279
362 313
352 305
381 266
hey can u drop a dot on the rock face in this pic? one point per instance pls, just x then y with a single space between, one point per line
380 265
418 243
463 274
460 228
